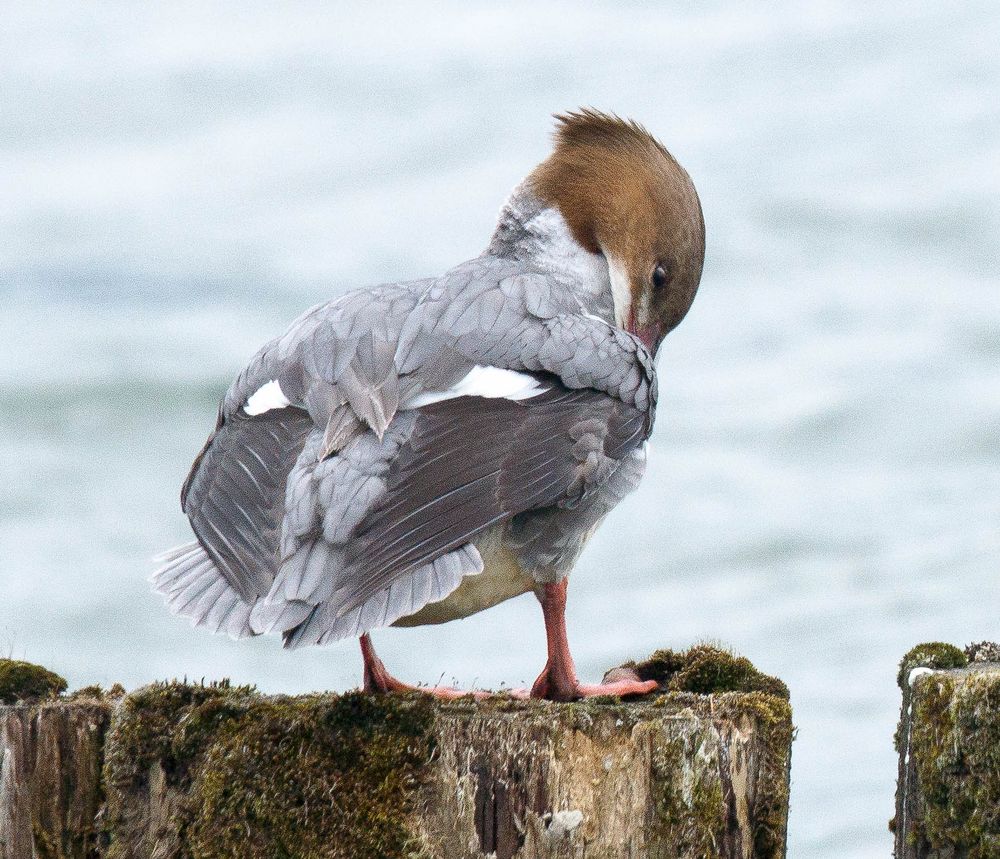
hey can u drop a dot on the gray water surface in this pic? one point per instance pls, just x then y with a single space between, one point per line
178 181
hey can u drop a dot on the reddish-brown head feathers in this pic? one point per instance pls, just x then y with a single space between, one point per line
622 194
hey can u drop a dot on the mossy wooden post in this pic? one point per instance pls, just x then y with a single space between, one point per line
51 755
700 771
948 792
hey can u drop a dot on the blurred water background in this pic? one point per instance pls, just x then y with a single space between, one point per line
179 180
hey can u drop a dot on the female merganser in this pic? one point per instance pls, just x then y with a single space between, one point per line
417 452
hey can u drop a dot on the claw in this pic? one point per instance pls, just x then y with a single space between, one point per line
379 680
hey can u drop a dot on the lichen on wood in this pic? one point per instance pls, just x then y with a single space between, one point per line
948 795
682 775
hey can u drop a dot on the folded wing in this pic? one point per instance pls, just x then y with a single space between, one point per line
450 471
353 463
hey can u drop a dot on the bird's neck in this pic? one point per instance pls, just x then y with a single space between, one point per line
536 234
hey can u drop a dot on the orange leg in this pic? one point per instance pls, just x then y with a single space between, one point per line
558 680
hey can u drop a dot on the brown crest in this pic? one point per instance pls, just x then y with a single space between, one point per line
624 195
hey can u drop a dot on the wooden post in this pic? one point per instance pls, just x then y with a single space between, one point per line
50 779
948 791
226 772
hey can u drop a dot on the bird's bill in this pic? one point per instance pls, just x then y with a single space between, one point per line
650 334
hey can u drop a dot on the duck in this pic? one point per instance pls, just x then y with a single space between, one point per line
413 453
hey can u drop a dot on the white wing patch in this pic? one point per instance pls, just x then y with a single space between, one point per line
480 381
267 397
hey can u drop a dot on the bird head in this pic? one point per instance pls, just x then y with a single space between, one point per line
624 196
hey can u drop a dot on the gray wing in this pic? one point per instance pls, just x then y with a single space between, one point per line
368 548
548 542
351 370
234 494
501 315
471 463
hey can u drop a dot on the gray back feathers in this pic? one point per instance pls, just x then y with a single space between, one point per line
352 504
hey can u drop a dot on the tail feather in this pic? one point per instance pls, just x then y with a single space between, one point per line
431 582
195 588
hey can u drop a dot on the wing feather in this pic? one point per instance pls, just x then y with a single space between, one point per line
468 464
235 493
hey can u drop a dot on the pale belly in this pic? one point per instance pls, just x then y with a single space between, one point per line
502 578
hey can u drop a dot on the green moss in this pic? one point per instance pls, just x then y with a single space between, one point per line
661 666
282 777
307 778
933 654
955 744
87 693
707 670
167 723
25 682
303 777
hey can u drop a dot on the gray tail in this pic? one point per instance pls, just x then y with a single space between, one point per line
194 588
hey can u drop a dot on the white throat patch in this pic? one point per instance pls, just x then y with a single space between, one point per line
621 291
554 250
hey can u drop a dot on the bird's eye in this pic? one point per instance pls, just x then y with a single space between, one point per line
660 277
